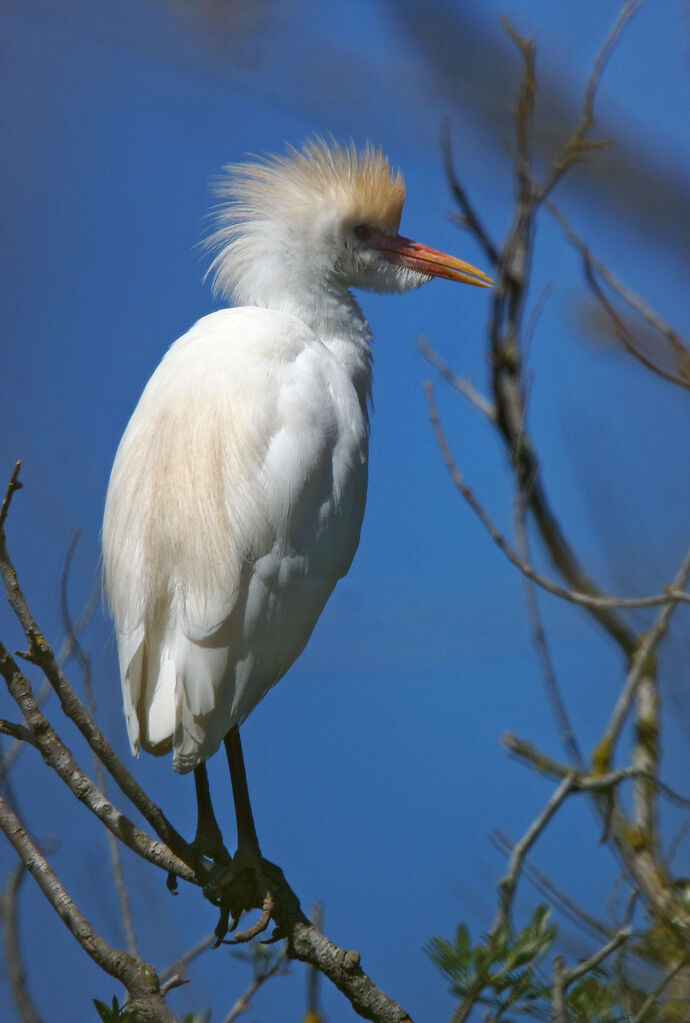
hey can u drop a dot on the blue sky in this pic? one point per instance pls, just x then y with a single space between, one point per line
374 766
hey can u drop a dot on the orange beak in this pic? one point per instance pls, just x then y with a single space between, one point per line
403 252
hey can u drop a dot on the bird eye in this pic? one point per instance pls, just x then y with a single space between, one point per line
363 232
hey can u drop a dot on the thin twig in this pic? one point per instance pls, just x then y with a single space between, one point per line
576 972
469 215
12 752
579 145
584 782
242 1004
177 968
16 972
85 664
673 595
659 990
630 297
625 336
508 882
462 386
20 733
540 642
560 1013
641 664
565 905
12 487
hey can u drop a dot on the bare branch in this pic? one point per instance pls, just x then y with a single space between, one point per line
341 966
649 1001
139 978
57 756
540 642
640 666
313 1012
587 782
579 145
261 976
41 654
16 973
12 487
177 968
20 733
509 880
576 972
462 386
632 299
469 216
674 594
555 895
343 969
85 664
558 991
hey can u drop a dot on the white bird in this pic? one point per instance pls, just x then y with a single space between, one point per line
238 489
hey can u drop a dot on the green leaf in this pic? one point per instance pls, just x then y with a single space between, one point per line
103 1011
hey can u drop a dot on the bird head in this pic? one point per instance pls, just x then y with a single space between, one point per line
324 216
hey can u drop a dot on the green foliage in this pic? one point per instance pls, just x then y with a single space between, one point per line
500 971
594 999
114 1013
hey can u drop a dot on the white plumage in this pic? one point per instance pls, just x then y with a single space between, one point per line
237 494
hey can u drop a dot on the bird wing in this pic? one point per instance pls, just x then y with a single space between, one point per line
234 505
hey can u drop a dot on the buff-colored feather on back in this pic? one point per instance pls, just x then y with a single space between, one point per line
323 177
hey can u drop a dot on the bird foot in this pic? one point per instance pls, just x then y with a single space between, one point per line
244 886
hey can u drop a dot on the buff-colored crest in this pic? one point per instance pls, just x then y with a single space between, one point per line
356 184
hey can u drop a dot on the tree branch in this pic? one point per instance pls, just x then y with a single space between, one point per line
40 653
13 956
139 978
594 601
85 664
59 758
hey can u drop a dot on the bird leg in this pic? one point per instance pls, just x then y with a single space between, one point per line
250 887
247 842
208 840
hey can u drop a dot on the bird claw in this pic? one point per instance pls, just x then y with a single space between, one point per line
277 935
243 888
259 927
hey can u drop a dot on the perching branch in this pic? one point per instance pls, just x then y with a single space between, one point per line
139 978
303 940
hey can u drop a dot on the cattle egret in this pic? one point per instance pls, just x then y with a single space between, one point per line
237 494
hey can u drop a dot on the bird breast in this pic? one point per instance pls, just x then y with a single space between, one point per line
234 506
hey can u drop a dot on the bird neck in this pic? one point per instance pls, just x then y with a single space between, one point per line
334 315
